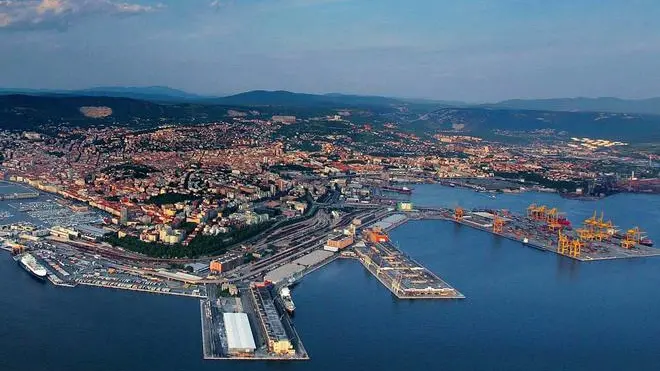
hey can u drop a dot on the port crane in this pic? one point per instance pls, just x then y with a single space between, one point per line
458 213
498 224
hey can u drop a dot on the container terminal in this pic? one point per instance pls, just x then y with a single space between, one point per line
548 229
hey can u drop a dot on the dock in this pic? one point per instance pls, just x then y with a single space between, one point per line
402 275
271 328
534 234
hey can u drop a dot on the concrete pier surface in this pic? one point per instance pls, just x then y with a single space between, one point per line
402 275
265 316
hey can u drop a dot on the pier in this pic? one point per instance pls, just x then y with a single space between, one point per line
270 327
18 196
532 233
402 275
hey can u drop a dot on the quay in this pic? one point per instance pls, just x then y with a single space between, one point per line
266 334
538 234
402 275
18 196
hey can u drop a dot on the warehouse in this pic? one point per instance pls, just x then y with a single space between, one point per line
239 335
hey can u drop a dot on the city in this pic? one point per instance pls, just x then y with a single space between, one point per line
329 184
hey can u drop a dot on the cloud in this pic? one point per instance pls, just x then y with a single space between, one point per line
60 14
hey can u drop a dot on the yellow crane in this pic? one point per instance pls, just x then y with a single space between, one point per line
531 210
576 248
563 243
585 234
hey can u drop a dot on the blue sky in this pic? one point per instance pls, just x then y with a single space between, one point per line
474 50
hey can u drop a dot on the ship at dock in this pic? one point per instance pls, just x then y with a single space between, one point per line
285 295
30 264
402 190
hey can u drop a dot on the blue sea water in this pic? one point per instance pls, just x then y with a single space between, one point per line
525 309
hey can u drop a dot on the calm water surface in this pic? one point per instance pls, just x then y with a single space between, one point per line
525 309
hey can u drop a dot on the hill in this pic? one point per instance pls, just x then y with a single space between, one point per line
290 99
152 93
26 112
649 106
486 121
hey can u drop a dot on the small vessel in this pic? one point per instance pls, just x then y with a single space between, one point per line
525 240
30 264
646 242
285 295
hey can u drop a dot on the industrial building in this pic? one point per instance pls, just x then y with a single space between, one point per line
338 242
226 263
90 232
277 340
376 235
240 341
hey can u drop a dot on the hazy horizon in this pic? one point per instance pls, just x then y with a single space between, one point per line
473 51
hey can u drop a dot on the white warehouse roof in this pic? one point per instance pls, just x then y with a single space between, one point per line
239 334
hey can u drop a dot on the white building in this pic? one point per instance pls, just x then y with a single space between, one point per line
239 334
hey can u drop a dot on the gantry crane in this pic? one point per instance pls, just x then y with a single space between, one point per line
498 224
576 248
458 213
563 243
632 238
531 210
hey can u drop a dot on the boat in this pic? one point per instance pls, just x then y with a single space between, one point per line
646 242
285 295
403 190
30 264
525 240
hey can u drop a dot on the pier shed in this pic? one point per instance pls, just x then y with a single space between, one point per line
239 334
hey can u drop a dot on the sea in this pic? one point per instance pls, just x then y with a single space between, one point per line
525 309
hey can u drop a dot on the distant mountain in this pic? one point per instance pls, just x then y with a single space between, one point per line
152 93
144 92
484 122
25 112
649 106
290 99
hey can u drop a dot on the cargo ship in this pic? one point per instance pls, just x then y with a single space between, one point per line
30 264
285 295
402 190
643 241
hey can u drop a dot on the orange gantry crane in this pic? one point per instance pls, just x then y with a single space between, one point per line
458 213
537 212
498 224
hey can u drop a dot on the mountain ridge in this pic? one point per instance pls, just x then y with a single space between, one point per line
336 100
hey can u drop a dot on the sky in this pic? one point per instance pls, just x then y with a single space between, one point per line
470 50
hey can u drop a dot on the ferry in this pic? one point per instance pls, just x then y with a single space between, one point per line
285 295
30 264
